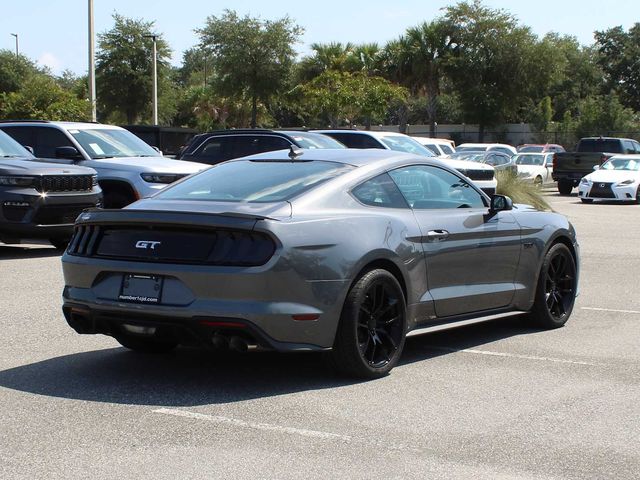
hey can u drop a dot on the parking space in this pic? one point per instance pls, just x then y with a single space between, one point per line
497 400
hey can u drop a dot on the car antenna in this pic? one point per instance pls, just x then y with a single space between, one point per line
294 152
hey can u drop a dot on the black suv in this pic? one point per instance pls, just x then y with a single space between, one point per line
216 147
40 200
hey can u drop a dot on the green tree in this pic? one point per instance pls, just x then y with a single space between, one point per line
253 58
41 97
489 67
604 115
124 69
344 96
15 70
619 53
423 51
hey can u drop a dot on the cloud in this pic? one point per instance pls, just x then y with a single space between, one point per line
49 60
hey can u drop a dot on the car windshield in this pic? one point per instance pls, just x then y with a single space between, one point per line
622 164
9 148
531 149
529 159
405 144
109 143
256 181
468 156
316 140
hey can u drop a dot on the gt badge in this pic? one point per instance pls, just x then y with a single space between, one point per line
147 244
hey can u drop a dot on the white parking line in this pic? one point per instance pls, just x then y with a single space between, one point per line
335 437
594 309
516 355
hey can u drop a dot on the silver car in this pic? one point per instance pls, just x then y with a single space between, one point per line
343 251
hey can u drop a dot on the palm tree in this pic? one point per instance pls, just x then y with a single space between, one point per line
417 58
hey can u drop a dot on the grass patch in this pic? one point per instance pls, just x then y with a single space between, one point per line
520 191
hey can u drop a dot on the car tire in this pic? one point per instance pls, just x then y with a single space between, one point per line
638 195
556 288
537 182
372 328
565 187
60 244
145 345
586 200
117 199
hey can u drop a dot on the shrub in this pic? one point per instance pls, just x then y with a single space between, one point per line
520 191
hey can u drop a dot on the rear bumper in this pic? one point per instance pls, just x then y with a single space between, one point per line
195 331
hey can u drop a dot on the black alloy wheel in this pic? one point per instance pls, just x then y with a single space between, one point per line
556 290
372 328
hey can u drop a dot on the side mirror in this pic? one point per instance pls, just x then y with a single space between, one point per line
68 152
29 149
500 203
596 167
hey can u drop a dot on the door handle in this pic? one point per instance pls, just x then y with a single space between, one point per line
437 235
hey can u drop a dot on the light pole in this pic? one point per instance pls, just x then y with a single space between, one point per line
155 78
92 66
16 35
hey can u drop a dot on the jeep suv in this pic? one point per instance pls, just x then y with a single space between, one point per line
222 145
40 201
128 168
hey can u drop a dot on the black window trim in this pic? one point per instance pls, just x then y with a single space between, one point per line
198 150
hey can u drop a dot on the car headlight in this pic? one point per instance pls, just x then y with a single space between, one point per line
627 182
585 181
161 177
16 181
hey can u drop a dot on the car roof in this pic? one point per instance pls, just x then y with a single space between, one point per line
349 156
64 125
375 134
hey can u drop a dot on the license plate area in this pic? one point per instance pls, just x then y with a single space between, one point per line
141 289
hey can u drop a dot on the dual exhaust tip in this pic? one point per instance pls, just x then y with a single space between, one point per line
234 343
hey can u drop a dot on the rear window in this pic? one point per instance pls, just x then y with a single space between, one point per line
315 140
254 181
600 145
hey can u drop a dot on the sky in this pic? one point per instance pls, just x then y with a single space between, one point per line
54 32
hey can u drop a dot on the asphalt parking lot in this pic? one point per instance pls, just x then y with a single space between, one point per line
496 400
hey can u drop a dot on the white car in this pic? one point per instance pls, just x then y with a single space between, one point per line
535 167
481 174
484 147
439 146
618 179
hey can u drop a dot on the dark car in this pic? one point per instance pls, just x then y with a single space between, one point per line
223 145
338 251
39 200
498 160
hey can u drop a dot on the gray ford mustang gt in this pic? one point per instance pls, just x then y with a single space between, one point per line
344 251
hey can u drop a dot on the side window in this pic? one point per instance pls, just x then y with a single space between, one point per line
629 147
25 136
434 149
447 149
269 143
429 187
503 150
47 140
380 191
356 140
